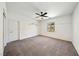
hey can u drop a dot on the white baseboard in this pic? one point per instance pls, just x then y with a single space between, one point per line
56 38
75 46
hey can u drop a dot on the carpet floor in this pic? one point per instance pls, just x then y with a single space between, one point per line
40 46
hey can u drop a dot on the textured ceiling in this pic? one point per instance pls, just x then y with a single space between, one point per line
28 9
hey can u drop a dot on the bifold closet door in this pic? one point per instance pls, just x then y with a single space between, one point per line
13 30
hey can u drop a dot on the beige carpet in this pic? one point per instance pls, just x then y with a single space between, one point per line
40 46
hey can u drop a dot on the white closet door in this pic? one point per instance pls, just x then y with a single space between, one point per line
13 30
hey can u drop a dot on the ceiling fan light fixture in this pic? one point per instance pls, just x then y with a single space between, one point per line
42 16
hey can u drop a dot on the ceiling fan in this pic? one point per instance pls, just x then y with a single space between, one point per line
42 14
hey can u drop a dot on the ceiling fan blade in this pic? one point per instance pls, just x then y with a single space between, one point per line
37 17
44 14
37 14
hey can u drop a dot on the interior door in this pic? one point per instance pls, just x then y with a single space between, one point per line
13 30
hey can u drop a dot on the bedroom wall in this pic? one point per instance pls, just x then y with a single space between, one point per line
76 28
63 28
